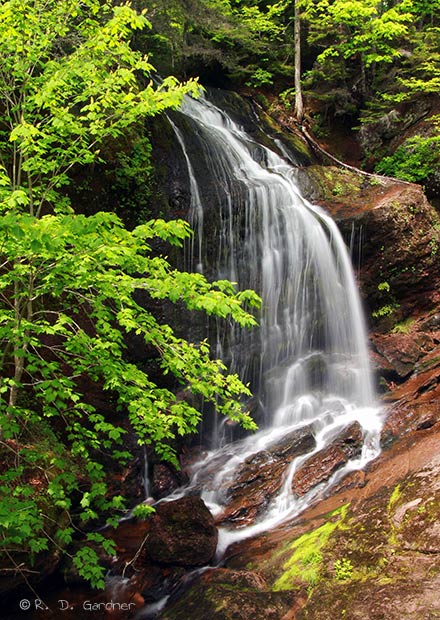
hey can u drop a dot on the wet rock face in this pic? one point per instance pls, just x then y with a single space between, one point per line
260 477
223 594
401 351
319 467
393 544
374 548
394 236
164 480
415 404
182 533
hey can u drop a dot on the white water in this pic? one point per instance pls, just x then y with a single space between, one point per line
312 367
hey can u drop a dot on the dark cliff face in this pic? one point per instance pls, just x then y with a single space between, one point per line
394 234
171 169
350 560
379 557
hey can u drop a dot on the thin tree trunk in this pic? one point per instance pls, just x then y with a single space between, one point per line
299 105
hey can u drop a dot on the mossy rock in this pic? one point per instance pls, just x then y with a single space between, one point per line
222 594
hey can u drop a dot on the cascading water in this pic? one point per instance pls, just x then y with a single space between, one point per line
308 361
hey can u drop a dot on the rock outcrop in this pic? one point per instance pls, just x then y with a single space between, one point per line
260 477
182 533
394 235
371 548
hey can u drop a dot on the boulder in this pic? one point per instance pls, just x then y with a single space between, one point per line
182 532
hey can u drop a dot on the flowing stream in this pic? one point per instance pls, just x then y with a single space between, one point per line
308 361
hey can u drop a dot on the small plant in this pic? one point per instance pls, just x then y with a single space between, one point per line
260 77
394 497
343 569
383 286
388 308
287 98
338 189
385 310
142 511
403 327
434 246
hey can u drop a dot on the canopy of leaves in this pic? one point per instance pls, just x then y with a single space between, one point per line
238 37
70 284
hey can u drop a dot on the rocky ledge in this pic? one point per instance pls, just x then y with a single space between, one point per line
371 548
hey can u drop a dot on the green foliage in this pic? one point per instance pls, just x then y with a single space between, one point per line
403 327
142 511
68 85
391 305
70 284
306 563
287 98
413 161
386 310
133 170
240 37
260 77
354 31
343 569
383 286
82 274
86 559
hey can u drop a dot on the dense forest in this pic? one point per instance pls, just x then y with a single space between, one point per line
368 66
82 243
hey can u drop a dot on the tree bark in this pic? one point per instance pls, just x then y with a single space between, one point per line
299 105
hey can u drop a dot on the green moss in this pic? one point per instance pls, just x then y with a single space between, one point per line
394 497
386 310
333 182
343 569
305 564
404 327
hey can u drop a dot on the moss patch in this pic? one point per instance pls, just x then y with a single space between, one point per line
305 564
333 182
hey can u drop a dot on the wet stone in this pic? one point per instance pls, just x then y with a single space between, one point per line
260 477
319 467
223 594
182 533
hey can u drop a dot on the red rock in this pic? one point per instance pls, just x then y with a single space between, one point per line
415 404
164 481
182 533
401 351
260 477
319 467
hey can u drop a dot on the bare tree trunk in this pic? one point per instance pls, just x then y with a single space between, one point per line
299 106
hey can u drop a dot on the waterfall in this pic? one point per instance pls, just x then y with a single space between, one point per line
308 361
